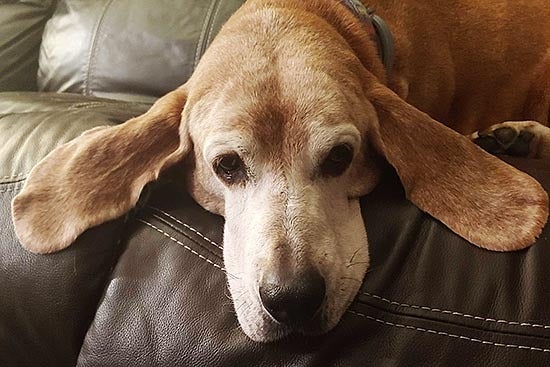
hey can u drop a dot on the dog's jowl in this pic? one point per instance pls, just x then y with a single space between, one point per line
286 122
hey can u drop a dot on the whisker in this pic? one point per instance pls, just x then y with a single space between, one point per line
354 254
369 270
227 295
348 278
243 303
232 276
249 305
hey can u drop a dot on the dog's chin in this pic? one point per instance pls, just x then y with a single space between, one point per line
261 327
265 329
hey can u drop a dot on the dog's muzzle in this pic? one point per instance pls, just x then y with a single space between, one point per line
292 298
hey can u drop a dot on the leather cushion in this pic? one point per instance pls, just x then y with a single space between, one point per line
33 124
97 47
430 298
48 302
21 26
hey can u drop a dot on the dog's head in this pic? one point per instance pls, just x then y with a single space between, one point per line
281 128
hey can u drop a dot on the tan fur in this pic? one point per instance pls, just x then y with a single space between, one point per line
479 206
469 63
283 83
97 176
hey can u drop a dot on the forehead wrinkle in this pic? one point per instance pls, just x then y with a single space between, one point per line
279 106
276 124
287 77
282 120
252 109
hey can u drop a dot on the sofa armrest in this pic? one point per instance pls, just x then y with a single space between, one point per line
48 302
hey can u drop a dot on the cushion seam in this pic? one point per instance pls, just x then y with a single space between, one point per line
188 227
425 308
93 49
213 23
12 188
182 232
182 244
200 41
384 322
454 313
450 335
17 175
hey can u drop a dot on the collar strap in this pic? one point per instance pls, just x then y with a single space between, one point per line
378 30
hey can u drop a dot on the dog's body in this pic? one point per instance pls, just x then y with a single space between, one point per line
471 64
280 128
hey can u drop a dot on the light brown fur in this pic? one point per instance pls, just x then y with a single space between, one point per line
283 83
471 64
62 198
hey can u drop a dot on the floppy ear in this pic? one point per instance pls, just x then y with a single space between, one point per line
479 197
98 176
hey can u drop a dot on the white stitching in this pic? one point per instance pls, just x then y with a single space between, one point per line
93 50
183 245
203 32
188 227
455 313
451 335
12 189
461 337
14 176
213 23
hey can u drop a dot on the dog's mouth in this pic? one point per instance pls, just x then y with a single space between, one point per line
290 314
263 327
304 287
293 321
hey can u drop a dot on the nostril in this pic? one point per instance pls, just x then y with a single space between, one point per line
293 300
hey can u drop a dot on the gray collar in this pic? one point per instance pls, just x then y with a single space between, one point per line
378 30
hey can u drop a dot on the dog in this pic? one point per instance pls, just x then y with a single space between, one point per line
288 120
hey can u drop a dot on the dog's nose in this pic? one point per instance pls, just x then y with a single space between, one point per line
292 299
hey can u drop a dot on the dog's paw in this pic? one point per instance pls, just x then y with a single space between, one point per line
515 138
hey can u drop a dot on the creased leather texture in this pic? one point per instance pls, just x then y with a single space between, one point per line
96 47
21 26
47 302
430 298
159 297
32 124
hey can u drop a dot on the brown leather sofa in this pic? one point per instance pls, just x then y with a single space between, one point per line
149 289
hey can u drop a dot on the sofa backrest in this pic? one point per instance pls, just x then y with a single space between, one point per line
127 49
21 26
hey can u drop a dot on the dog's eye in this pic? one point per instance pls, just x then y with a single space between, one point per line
337 161
230 168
